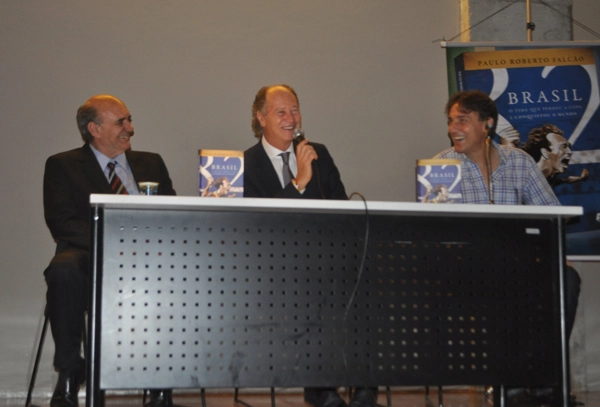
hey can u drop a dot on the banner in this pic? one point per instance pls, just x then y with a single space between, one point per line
548 103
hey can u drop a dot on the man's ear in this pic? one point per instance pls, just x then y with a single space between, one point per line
92 127
544 153
261 119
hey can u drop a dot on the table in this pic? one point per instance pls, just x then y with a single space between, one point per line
190 292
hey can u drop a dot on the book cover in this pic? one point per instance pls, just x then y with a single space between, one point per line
221 173
438 181
548 102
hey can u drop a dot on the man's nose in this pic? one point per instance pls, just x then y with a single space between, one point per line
289 116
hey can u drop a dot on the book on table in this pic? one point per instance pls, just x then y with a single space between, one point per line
439 180
221 173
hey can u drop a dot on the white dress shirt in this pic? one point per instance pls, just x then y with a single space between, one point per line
121 168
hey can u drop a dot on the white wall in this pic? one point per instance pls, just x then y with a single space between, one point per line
370 76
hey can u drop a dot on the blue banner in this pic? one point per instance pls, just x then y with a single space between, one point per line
548 102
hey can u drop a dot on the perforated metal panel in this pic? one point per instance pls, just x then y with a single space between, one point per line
230 299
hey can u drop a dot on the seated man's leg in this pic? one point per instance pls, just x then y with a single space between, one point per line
67 298
323 397
160 398
329 397
364 397
549 395
572 289
67 280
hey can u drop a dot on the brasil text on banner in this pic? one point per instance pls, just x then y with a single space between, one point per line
550 96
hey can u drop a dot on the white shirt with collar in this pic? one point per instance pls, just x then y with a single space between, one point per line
121 168
277 161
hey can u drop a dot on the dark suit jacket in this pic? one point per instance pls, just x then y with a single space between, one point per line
69 179
261 180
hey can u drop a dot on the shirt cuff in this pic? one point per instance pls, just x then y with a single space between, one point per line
296 186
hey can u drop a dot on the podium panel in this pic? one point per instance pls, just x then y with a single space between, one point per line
195 298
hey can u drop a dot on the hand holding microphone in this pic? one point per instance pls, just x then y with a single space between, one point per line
305 155
298 135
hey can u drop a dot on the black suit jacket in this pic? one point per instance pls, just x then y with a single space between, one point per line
261 180
69 179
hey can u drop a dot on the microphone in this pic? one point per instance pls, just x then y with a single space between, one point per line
488 162
298 135
490 134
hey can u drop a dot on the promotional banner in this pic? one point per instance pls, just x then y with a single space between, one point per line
548 102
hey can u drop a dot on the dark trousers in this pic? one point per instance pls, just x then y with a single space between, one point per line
320 396
571 292
67 297
572 289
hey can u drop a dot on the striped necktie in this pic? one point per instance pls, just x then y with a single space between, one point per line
115 182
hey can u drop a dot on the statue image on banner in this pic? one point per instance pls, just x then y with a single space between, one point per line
548 101
552 152
439 181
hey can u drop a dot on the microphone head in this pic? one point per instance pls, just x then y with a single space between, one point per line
298 135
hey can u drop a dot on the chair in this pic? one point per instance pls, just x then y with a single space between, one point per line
428 401
38 355
237 400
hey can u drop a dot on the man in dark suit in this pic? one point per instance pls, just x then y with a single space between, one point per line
280 167
275 116
69 178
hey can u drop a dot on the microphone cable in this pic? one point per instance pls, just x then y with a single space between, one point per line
488 161
358 277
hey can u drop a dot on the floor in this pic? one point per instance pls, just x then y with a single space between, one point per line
413 397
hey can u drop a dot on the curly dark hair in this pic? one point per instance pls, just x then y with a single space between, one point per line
259 106
475 101
537 140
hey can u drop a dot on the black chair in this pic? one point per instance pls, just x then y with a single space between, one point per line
38 356
237 400
429 403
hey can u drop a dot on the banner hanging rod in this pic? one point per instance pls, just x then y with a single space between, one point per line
541 44
530 26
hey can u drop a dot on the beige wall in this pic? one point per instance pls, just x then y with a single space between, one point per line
370 76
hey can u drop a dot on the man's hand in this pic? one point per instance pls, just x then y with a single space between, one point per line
305 155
